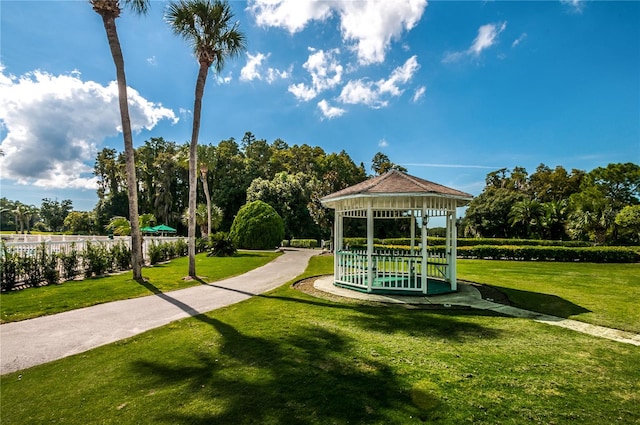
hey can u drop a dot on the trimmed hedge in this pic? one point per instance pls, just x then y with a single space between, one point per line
602 254
431 240
605 254
303 243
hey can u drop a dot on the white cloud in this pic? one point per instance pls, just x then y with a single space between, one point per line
418 94
487 37
519 39
375 94
325 70
302 92
55 125
576 6
330 111
383 143
250 70
368 26
254 69
292 15
152 61
326 73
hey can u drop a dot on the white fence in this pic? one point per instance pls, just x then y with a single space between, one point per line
28 244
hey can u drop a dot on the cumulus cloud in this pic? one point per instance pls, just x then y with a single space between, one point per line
487 37
383 143
329 111
55 124
375 94
325 71
255 69
367 26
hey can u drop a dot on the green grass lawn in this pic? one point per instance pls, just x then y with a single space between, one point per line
289 358
34 302
601 294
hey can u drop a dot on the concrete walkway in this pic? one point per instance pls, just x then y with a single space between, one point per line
44 339
467 295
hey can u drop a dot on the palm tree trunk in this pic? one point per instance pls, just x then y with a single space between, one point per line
193 165
207 196
132 182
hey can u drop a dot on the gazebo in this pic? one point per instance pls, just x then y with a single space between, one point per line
416 270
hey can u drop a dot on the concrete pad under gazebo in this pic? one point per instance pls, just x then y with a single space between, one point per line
396 195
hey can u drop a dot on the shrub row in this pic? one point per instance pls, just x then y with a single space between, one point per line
474 242
605 254
165 251
44 268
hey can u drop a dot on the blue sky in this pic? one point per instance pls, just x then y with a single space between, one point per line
451 90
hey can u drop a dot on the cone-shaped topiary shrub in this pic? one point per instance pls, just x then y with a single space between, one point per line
257 226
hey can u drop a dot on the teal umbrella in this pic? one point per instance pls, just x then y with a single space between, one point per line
163 228
148 230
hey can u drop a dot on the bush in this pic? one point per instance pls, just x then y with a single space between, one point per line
96 260
257 226
48 266
9 268
69 263
121 256
221 245
304 243
155 253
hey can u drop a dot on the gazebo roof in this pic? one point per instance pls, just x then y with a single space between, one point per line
397 184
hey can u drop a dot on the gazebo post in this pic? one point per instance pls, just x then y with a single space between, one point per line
369 246
337 243
413 231
454 251
425 257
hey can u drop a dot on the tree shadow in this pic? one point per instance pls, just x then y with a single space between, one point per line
309 375
552 305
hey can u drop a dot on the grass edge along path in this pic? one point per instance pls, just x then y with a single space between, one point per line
36 302
286 357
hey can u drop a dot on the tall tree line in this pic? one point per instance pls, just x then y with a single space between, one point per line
597 206
290 178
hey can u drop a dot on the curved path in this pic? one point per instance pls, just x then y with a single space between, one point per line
44 339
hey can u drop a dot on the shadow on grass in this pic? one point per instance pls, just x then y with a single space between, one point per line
542 303
305 375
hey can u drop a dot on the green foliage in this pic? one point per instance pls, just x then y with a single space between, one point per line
49 266
9 268
303 243
551 253
164 251
121 254
257 226
221 245
69 260
96 260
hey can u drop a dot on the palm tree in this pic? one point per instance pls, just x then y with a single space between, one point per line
206 159
526 213
207 26
109 10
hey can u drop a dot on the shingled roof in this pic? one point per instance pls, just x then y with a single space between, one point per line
399 183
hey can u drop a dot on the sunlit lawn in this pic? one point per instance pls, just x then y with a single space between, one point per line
33 302
289 358
602 294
